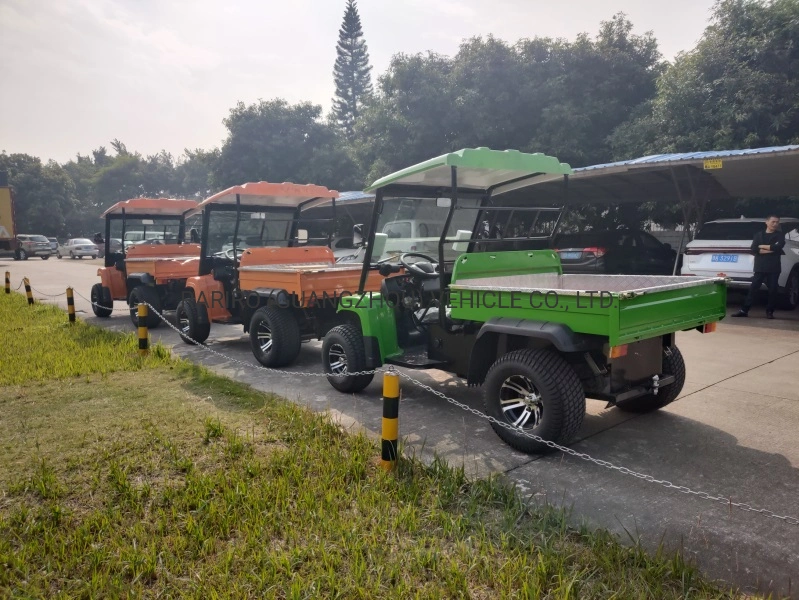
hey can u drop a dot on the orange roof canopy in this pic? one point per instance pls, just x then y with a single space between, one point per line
265 194
151 206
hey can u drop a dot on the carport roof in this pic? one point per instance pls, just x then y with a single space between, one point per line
712 175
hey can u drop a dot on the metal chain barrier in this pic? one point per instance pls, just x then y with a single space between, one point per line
581 455
48 295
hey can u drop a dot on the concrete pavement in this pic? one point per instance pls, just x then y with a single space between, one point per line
732 433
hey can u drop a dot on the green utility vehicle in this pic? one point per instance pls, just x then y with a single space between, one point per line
495 308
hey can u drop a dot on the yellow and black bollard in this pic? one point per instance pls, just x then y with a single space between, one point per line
390 420
143 339
28 290
8 282
70 305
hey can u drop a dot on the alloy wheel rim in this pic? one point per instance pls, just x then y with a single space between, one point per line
337 359
183 321
521 402
264 337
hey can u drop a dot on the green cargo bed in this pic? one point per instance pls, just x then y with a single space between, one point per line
530 285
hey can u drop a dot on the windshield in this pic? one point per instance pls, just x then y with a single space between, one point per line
137 231
256 228
39 238
415 225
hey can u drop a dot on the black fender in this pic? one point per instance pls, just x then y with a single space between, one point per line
500 335
135 279
252 300
268 297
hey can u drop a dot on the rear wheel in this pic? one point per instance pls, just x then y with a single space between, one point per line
45 257
102 304
187 317
673 364
342 353
144 293
534 392
23 255
274 336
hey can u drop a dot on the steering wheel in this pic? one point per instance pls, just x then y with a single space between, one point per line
417 269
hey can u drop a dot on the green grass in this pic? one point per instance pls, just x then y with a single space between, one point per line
39 343
161 479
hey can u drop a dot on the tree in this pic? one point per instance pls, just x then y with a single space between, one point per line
351 71
44 194
274 141
739 88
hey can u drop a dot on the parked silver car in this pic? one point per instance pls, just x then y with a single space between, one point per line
78 248
32 245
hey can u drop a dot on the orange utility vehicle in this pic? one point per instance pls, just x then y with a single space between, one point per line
147 258
266 263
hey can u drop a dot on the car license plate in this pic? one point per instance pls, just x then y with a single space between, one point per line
570 255
724 258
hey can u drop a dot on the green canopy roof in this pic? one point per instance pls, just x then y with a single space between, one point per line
479 169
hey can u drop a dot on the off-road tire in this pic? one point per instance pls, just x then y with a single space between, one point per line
102 304
187 317
789 298
145 293
346 339
285 332
561 393
673 364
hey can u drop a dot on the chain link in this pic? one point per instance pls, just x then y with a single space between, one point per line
566 450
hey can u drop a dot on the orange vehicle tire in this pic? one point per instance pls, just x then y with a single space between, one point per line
274 336
187 316
343 353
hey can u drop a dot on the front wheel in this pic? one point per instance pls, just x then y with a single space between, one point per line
140 294
673 364
45 257
342 353
23 255
102 304
534 392
59 256
274 336
187 316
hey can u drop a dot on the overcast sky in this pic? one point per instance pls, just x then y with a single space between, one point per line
162 74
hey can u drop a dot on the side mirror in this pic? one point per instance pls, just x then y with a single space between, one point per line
443 202
379 246
462 234
302 236
357 235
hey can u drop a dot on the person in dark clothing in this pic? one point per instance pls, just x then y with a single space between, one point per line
767 248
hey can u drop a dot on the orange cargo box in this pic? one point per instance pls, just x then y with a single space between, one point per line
164 261
304 272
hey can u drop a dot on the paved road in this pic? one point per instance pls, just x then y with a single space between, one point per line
732 433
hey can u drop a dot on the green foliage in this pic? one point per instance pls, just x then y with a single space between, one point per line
739 88
44 193
351 71
275 141
540 95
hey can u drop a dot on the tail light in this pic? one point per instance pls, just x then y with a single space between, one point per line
617 351
599 252
709 327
